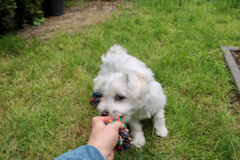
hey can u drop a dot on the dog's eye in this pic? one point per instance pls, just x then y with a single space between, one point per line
119 97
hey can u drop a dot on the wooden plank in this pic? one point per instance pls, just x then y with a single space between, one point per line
232 64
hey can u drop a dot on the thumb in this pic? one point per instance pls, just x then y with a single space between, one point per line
118 125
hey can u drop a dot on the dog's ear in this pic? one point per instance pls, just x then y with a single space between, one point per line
137 82
99 81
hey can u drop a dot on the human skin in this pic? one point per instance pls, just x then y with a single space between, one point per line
105 137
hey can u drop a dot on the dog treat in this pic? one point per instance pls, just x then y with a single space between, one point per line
124 140
96 98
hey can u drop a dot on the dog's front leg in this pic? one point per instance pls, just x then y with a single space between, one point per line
159 124
137 133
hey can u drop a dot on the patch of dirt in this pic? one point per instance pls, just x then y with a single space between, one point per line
235 103
72 20
236 56
235 98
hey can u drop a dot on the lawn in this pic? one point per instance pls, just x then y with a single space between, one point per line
45 87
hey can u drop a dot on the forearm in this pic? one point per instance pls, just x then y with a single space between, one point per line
81 153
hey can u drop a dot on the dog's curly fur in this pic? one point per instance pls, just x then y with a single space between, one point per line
130 91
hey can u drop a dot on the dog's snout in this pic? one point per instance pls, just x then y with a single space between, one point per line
104 113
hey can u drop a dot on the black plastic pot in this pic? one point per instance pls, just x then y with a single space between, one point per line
55 7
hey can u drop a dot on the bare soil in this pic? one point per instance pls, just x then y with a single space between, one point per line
235 98
236 56
72 20
235 103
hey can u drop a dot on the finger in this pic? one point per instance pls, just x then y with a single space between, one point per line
118 125
99 118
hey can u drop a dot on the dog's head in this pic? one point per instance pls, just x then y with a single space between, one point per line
122 93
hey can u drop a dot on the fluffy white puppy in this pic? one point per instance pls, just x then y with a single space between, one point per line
130 91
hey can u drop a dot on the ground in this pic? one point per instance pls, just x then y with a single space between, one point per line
236 56
236 98
45 85
71 21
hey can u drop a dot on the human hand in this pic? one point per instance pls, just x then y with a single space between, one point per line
104 137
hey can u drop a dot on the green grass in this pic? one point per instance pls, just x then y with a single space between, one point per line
78 3
45 88
11 45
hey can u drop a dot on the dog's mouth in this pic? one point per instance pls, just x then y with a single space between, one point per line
112 114
116 113
104 113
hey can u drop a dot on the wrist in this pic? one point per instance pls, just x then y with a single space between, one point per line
101 149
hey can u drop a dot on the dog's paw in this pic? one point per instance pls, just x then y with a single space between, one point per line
138 140
162 132
138 143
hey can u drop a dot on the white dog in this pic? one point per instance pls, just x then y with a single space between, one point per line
130 91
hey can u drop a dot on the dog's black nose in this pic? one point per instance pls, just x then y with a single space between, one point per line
104 113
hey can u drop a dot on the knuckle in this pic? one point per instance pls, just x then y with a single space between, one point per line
117 125
94 119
